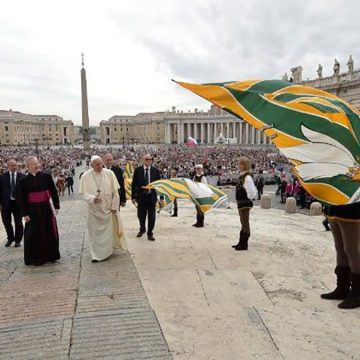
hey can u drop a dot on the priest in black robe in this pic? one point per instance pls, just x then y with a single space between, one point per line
39 203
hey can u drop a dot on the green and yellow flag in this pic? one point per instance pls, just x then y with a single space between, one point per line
128 176
202 195
317 131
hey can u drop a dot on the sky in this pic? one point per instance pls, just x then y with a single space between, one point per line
133 48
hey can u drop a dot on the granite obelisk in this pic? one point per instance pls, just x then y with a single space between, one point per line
84 107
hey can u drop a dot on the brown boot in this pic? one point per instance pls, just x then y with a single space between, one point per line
342 289
353 299
243 243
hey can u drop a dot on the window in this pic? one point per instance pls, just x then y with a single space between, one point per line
6 128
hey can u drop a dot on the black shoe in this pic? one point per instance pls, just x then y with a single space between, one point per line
140 233
17 244
173 215
241 247
151 238
8 243
199 225
38 263
94 261
351 302
196 224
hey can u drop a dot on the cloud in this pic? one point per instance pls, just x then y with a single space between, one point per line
133 49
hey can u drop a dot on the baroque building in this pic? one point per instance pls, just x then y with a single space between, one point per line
142 128
17 128
345 85
174 127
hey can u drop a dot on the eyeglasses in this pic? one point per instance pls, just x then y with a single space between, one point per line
148 159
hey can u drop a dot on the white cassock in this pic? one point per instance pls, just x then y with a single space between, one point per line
105 228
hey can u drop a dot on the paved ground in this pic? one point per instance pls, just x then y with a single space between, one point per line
75 309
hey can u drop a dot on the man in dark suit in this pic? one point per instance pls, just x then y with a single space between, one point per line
144 199
8 205
108 163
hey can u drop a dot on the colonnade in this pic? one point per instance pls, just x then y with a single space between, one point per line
239 132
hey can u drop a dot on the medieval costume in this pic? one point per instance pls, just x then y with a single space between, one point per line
245 193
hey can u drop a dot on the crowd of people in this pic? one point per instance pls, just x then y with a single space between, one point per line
217 161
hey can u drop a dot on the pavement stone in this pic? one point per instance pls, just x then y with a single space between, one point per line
75 309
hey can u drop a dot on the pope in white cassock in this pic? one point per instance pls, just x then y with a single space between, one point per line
99 188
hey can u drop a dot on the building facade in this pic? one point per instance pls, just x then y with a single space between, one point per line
208 127
345 85
17 128
143 128
174 127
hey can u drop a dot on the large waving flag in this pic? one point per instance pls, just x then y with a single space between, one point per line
205 196
317 131
128 176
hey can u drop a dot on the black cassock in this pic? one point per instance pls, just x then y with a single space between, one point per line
38 198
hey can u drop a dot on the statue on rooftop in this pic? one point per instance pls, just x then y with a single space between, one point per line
336 68
285 77
296 73
350 64
319 71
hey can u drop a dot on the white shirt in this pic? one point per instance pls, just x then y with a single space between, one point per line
250 187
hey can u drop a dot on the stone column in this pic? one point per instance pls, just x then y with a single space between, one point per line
208 140
196 131
202 132
180 126
167 133
228 130
221 128
252 135
246 133
241 124
258 133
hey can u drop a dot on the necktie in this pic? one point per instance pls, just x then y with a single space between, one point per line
146 176
12 185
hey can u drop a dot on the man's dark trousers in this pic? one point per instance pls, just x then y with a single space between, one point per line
147 207
12 209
